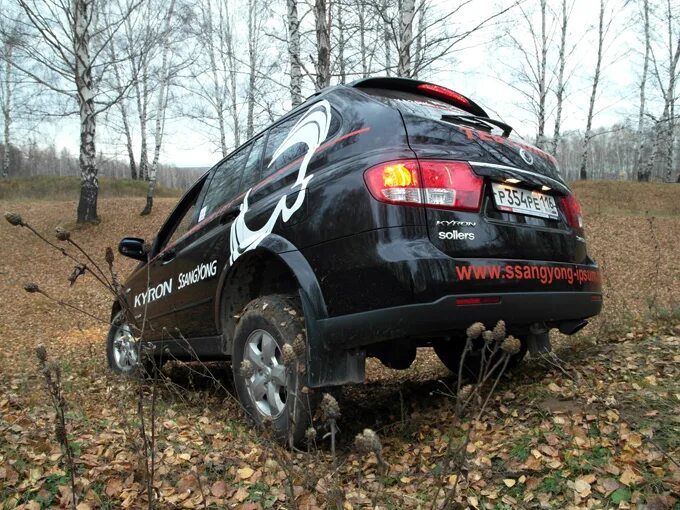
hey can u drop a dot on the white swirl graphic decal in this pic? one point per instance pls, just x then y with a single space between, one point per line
310 130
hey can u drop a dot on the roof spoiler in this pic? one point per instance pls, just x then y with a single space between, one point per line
422 88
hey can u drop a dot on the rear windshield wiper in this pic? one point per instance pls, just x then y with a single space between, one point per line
477 121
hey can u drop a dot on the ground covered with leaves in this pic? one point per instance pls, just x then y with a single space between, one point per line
596 426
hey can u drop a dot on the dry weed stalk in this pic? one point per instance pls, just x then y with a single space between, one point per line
497 348
51 373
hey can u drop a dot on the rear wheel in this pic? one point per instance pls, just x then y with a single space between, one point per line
270 387
450 352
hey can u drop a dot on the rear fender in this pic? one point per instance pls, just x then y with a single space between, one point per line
325 367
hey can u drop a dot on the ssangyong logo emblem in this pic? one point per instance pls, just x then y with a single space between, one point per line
310 130
526 156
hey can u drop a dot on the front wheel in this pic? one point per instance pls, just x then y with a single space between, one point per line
268 375
122 348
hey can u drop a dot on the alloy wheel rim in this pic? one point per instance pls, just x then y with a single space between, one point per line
125 348
267 386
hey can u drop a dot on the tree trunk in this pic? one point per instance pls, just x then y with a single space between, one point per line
160 112
341 44
542 88
7 108
386 39
583 174
294 53
252 61
406 38
89 184
362 39
642 174
323 44
560 78
128 142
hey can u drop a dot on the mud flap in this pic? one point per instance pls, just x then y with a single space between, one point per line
327 367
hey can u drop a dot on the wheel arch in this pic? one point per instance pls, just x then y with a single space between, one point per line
274 267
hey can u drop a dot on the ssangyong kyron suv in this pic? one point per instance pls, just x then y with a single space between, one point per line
375 218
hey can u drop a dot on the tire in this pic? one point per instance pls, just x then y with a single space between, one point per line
270 391
450 353
123 350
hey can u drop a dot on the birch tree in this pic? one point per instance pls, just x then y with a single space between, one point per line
642 173
322 15
531 72
560 87
293 26
407 14
68 47
583 172
161 106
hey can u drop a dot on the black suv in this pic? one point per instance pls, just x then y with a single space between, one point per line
375 218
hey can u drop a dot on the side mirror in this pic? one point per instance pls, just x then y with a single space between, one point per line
132 247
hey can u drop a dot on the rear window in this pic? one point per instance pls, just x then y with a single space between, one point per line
407 102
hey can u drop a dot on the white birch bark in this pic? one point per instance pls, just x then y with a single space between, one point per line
232 65
215 74
643 174
559 93
7 105
323 44
160 110
407 13
583 172
362 39
294 53
252 63
341 44
542 71
89 183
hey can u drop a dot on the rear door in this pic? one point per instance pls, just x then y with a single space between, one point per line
520 214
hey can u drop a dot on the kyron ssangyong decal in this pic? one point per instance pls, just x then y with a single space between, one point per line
311 130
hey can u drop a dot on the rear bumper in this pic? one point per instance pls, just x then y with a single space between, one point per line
443 316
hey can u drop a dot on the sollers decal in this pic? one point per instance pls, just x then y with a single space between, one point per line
201 272
311 130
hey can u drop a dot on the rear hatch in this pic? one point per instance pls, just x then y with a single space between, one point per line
524 208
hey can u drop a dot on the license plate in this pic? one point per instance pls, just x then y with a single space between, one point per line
522 201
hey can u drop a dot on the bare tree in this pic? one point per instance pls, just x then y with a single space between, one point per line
642 174
68 46
161 106
664 128
322 15
583 172
560 88
293 25
407 14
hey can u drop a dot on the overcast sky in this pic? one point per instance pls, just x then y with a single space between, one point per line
482 71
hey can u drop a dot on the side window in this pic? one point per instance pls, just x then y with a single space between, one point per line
184 223
224 183
251 172
277 135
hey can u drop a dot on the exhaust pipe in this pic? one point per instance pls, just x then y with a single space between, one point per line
538 340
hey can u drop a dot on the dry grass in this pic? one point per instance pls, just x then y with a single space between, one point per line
639 254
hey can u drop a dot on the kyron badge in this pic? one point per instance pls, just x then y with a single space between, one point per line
526 156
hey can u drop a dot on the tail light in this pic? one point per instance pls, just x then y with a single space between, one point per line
431 183
572 212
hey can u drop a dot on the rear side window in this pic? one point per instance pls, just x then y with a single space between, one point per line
224 183
277 135
251 172
407 102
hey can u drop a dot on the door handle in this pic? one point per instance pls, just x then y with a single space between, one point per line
230 215
168 256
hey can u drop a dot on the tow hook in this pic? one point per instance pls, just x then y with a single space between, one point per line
538 341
